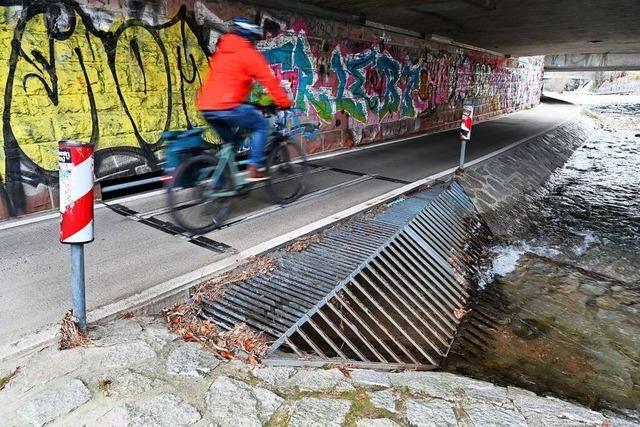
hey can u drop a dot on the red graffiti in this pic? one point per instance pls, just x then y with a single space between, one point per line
375 84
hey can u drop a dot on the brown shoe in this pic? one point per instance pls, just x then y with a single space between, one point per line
255 174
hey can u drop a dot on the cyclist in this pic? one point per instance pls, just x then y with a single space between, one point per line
233 68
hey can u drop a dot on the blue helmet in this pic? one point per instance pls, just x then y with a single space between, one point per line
244 28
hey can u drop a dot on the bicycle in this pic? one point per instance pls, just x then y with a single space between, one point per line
202 185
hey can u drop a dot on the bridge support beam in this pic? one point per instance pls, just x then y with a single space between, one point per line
593 62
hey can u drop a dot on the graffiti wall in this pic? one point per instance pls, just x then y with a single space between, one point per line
118 73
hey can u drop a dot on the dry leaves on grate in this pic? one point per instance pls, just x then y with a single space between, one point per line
458 266
346 369
215 288
70 336
244 343
373 212
459 313
241 342
303 243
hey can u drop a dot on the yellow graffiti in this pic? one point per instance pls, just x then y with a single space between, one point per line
6 34
71 91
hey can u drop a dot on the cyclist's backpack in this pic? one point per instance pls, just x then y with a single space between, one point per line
181 145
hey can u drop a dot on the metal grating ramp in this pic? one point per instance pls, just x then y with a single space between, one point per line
381 292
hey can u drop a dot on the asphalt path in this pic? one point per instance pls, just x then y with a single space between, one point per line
137 247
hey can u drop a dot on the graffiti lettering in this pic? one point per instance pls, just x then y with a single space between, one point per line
118 89
75 71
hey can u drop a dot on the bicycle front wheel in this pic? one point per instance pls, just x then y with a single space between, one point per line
198 204
287 168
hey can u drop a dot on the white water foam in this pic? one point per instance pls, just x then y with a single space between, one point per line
506 257
589 238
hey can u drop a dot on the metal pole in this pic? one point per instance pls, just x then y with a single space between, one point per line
77 285
463 147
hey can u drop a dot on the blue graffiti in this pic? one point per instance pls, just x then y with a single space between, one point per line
411 76
374 82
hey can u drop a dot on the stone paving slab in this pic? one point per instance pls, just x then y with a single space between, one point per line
54 402
134 373
384 399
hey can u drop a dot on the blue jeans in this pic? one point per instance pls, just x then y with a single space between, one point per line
244 116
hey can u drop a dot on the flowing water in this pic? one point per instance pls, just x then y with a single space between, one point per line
563 315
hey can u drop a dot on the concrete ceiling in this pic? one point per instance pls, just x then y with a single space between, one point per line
515 27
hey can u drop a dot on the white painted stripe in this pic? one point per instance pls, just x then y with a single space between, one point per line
339 153
25 221
82 179
84 235
35 218
136 197
38 217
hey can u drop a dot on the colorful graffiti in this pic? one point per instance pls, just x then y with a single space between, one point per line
373 86
119 89
119 77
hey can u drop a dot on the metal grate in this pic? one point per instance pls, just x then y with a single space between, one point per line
378 292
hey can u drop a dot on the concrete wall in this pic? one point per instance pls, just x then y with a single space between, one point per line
119 72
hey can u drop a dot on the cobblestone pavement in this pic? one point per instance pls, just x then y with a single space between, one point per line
134 372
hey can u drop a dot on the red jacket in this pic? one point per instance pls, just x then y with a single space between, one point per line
233 68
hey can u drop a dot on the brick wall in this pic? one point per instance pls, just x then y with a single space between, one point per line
119 72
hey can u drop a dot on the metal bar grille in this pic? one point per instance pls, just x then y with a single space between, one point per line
373 292
399 305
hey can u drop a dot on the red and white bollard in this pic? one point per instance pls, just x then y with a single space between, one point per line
465 131
76 215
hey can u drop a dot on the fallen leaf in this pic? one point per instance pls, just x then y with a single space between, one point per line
226 355
459 313
345 371
188 336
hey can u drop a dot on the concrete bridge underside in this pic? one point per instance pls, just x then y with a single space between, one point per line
526 27
593 62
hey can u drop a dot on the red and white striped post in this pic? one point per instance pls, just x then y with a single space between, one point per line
465 131
76 215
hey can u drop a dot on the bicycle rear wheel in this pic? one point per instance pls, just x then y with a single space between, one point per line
287 168
196 207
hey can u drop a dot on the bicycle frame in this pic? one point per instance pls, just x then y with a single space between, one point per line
227 158
218 176
227 153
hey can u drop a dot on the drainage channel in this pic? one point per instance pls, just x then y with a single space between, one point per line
385 290
151 217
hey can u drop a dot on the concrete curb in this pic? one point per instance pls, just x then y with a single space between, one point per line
152 300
